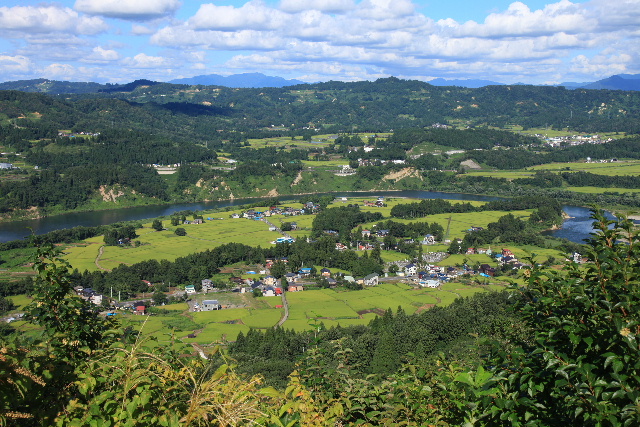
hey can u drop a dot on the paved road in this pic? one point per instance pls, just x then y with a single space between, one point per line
286 310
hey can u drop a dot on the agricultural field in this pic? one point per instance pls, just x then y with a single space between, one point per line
167 245
505 174
625 167
601 190
332 307
461 222
552 133
326 164
171 324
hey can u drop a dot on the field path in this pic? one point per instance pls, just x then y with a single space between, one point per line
285 234
286 311
100 252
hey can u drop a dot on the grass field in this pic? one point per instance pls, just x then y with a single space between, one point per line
173 323
333 307
460 222
561 132
600 190
167 245
509 175
626 167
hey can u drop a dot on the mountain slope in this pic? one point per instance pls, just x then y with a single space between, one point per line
246 80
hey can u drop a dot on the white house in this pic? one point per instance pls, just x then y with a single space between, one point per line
208 305
371 280
410 269
429 283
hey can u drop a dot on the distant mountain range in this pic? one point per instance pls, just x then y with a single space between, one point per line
245 80
257 80
470 83
616 82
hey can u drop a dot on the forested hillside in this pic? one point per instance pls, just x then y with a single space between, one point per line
92 149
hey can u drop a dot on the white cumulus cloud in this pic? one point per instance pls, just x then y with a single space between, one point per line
219 40
519 20
142 60
139 10
102 56
254 15
60 72
330 6
47 19
15 64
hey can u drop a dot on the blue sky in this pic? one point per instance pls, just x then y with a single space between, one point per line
529 41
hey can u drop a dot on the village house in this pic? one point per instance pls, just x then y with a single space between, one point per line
304 272
488 270
209 305
429 239
341 246
269 291
429 283
270 281
410 269
207 285
325 272
371 280
291 277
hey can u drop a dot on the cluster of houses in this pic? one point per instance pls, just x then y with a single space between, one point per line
89 295
81 134
378 203
308 208
376 162
432 275
558 141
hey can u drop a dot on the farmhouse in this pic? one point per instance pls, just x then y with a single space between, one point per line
207 285
410 269
371 280
429 283
429 239
269 281
209 305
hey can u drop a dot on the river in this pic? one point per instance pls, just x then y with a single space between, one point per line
575 228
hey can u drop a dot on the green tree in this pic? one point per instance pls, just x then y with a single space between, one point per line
157 225
6 305
160 298
70 323
180 231
582 367
278 269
